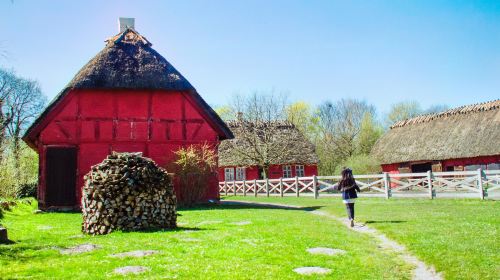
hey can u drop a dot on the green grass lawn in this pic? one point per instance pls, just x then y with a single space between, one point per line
207 246
459 237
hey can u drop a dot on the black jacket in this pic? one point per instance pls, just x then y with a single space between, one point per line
349 192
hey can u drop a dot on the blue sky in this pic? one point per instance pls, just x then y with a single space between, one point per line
435 52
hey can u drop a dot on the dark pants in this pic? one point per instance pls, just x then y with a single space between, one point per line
350 210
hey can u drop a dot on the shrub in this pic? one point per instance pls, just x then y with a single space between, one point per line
14 176
27 190
361 164
195 169
5 205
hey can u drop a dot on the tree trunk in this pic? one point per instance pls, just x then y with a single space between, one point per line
2 131
265 171
16 149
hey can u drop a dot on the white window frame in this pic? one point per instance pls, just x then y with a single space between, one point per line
287 171
300 171
240 174
229 174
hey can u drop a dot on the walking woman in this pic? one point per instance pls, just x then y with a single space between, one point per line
348 187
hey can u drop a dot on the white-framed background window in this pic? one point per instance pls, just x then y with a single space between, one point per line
240 174
493 166
229 174
299 171
287 171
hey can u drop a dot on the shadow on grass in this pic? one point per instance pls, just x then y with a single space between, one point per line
250 205
177 229
7 242
385 222
20 252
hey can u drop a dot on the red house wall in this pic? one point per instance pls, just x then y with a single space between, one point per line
471 161
275 171
484 160
97 122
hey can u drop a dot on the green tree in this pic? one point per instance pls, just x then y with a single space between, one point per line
403 110
301 114
339 129
225 112
360 164
16 175
369 134
437 108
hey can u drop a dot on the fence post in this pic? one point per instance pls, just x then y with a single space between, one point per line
281 186
267 187
255 187
315 187
480 183
429 184
234 188
297 189
225 187
387 185
244 188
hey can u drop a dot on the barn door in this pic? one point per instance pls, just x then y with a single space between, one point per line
60 176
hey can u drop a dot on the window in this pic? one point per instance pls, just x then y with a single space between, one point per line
475 167
287 171
299 171
229 174
493 166
240 174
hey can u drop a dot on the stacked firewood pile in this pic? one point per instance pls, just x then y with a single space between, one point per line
127 192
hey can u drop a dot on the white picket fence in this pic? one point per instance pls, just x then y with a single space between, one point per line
479 183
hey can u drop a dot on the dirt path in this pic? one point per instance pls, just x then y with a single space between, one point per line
421 271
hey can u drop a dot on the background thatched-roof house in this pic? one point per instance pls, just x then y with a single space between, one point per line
464 138
299 160
128 98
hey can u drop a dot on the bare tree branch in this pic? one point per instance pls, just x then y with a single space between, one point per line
263 136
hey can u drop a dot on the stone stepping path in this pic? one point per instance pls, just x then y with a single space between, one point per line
131 269
45 227
242 223
310 270
251 242
82 248
421 271
135 254
326 251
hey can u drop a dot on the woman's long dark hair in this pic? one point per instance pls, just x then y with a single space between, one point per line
347 180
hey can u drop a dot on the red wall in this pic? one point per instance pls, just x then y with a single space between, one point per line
471 161
393 168
275 171
97 122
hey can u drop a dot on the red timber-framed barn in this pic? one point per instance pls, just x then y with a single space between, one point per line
463 138
302 161
128 98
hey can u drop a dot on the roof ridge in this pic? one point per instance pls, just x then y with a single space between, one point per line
122 35
283 123
461 110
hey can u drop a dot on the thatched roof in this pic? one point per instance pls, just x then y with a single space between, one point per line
463 132
303 151
129 62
